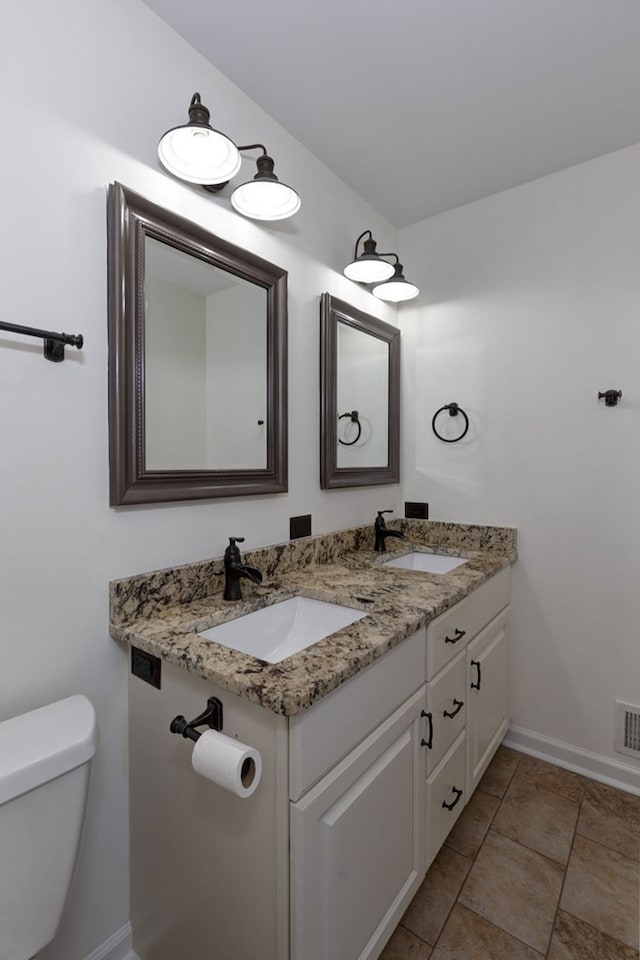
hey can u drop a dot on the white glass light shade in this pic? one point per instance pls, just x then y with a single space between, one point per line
199 154
395 290
368 269
265 199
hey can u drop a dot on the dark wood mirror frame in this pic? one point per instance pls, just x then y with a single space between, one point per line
333 311
132 218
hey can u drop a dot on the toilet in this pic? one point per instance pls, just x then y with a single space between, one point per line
45 758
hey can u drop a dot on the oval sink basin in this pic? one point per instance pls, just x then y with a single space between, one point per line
426 562
285 628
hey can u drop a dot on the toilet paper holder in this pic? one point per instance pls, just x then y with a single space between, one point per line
211 717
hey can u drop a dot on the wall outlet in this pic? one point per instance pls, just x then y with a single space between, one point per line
416 510
147 667
300 526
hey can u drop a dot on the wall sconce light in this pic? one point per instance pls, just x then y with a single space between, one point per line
371 267
396 288
197 153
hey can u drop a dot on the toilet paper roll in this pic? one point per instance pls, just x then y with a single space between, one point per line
234 766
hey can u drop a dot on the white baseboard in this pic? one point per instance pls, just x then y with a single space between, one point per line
117 947
617 774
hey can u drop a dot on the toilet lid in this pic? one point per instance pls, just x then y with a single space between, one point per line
45 743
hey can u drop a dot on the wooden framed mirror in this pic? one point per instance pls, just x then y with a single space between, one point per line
197 360
359 397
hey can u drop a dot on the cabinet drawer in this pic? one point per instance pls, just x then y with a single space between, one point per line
446 709
327 732
445 796
451 631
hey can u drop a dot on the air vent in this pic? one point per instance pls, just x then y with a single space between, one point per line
627 739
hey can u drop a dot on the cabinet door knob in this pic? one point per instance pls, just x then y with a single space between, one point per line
450 806
458 704
457 635
428 743
476 664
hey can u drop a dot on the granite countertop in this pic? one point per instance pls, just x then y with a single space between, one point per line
164 611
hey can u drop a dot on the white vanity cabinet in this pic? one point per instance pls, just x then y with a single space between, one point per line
357 795
467 702
321 861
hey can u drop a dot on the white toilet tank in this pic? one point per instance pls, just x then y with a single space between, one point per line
44 775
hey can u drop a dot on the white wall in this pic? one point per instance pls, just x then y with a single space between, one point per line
529 306
86 89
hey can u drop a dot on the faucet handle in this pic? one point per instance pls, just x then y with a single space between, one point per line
232 553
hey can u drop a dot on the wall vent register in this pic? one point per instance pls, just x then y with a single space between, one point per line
627 736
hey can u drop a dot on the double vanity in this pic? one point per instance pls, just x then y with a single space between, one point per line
372 737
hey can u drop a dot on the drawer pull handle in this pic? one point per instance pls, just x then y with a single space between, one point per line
428 743
458 704
450 806
457 635
476 664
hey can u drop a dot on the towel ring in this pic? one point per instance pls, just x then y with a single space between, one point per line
454 409
353 416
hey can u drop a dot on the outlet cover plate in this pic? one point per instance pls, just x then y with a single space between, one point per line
416 510
147 667
300 526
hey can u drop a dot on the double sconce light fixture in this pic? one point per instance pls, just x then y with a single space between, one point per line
197 153
371 267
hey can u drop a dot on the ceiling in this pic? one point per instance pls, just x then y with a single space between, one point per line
424 105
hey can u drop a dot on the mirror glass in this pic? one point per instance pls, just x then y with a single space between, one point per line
205 344
359 397
362 385
197 360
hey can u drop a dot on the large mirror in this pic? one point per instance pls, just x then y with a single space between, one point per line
359 397
197 360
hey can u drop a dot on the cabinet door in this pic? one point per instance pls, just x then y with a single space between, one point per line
487 696
357 841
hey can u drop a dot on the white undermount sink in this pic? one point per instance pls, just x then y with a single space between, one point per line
284 628
426 562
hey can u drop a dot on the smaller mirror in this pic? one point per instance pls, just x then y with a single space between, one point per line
359 397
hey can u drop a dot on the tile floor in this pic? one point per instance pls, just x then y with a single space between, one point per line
543 863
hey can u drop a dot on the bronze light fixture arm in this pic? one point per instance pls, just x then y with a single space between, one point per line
217 187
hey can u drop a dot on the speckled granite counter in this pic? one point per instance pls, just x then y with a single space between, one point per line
162 612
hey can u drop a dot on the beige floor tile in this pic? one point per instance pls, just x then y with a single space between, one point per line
514 888
472 824
611 817
602 888
574 939
537 818
429 909
498 774
467 936
405 946
563 782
